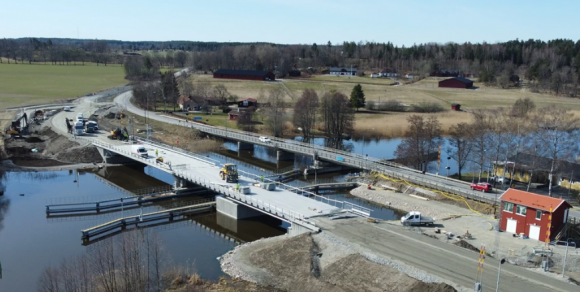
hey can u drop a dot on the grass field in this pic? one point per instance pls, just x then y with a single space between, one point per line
25 84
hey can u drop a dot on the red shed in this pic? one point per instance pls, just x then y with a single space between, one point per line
244 74
455 107
457 82
529 213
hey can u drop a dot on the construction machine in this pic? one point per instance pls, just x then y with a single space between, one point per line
229 173
118 134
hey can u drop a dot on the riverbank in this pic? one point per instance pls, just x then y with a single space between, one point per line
322 262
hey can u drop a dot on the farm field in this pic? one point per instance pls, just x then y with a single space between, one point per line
423 91
30 84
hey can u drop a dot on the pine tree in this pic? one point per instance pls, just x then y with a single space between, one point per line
357 97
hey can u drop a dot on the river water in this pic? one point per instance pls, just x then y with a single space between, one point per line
30 241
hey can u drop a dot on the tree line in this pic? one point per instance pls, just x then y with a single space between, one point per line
549 66
499 135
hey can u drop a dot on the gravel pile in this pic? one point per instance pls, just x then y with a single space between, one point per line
228 264
399 201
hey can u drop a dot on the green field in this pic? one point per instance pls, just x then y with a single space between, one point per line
24 84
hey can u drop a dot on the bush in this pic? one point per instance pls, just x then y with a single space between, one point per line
389 105
426 107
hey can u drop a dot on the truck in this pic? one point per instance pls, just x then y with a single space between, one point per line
415 218
139 150
80 117
79 128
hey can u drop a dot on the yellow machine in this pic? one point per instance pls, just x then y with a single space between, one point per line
229 173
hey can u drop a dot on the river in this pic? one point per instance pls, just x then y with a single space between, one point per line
30 241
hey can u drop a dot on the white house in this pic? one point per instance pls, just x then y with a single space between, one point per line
374 75
343 71
389 73
410 76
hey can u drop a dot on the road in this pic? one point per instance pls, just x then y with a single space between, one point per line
446 261
356 160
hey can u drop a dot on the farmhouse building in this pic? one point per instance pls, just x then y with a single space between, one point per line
389 73
457 82
244 74
343 71
247 103
525 166
529 214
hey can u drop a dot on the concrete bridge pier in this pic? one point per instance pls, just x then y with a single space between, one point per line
244 146
234 210
296 229
182 183
284 156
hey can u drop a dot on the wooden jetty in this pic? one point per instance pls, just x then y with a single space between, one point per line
126 202
170 214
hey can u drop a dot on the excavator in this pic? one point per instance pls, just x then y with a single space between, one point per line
18 125
118 134
229 173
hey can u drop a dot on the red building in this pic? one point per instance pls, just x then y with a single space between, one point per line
457 82
528 213
455 107
244 74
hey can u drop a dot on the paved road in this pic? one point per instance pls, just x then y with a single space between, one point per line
438 258
351 159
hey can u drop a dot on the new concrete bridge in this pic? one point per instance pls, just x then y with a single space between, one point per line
248 199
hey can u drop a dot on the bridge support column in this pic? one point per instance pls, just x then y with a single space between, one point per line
296 229
284 156
245 146
234 209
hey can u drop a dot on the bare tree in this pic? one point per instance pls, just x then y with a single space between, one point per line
305 110
245 120
49 280
337 115
487 139
461 144
275 114
423 137
221 95
556 128
522 107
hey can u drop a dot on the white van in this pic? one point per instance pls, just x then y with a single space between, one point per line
66 108
139 150
80 117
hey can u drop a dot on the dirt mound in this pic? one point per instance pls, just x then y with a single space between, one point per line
294 265
465 244
80 155
33 140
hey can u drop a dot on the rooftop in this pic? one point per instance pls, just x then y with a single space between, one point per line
241 72
533 200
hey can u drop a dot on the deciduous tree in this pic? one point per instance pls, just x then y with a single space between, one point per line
423 137
460 139
275 114
337 115
305 110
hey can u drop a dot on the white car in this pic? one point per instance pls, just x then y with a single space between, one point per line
265 139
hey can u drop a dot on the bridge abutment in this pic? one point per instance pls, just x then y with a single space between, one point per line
296 229
235 210
114 158
284 156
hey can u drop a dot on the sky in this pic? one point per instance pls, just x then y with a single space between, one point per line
401 22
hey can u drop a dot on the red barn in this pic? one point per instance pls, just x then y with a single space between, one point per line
455 107
457 82
529 213
244 74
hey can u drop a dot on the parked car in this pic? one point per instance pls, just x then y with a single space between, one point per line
484 187
265 139
415 218
501 179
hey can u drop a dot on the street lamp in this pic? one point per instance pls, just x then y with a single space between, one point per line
447 167
501 262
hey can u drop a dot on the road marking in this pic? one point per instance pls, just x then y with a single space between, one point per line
469 259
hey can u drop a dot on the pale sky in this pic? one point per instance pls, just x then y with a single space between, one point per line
402 22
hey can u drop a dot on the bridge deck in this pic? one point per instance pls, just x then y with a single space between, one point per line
206 173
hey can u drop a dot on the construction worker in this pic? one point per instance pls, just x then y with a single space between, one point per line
237 187
261 178
156 152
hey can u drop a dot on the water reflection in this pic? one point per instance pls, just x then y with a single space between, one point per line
4 201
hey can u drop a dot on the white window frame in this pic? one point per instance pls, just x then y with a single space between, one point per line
540 212
519 208
508 204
